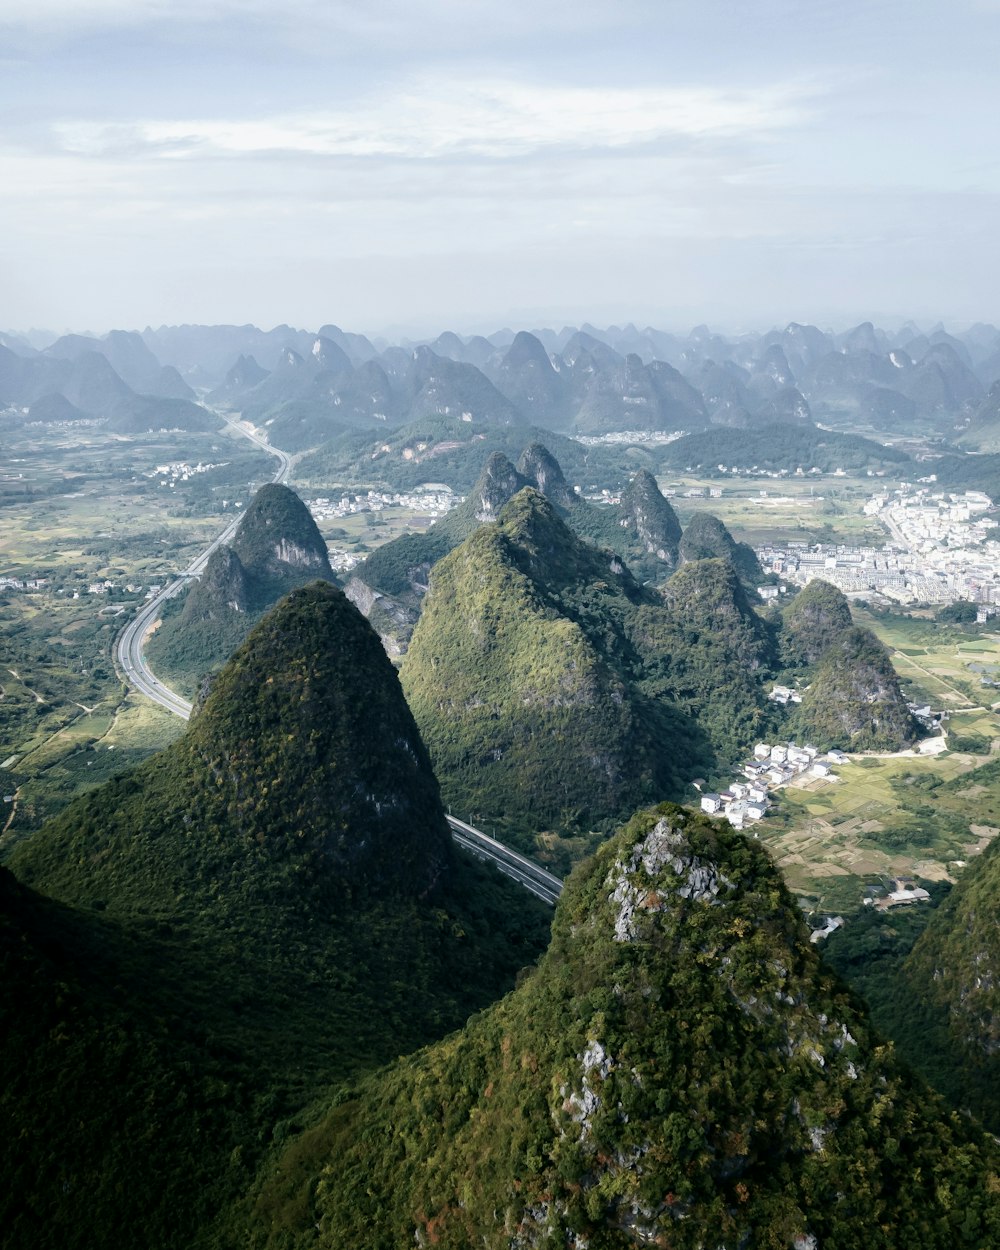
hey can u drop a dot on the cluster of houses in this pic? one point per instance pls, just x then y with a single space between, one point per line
20 583
180 471
784 695
903 892
747 801
433 500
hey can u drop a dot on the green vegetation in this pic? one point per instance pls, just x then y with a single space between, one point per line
816 617
680 1069
519 677
854 700
706 538
276 547
961 612
551 689
261 910
644 531
447 449
781 447
971 472
944 663
942 1008
704 647
82 506
827 837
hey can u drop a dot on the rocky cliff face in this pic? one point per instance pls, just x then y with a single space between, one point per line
278 536
679 1071
854 701
650 517
538 466
277 547
498 483
224 587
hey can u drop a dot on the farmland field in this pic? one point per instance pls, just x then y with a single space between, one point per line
915 816
759 510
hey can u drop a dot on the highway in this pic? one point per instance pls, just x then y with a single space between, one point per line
129 647
132 661
523 870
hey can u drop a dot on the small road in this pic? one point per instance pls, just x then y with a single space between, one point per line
132 661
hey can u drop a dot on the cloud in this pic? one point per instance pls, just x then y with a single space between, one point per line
461 119
377 22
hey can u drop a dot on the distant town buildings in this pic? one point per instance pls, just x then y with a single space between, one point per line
180 471
432 501
941 549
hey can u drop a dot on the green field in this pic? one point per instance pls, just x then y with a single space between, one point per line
897 816
762 509
78 507
943 665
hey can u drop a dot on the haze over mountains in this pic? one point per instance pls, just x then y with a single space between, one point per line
306 388
253 992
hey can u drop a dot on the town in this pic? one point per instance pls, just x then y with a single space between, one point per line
941 550
430 499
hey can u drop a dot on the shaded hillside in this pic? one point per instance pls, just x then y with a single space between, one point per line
944 1009
280 905
706 538
518 674
703 647
777 447
276 547
447 449
389 586
680 1071
854 701
816 617
649 522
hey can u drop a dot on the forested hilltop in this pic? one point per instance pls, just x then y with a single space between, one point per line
276 547
679 1070
202 947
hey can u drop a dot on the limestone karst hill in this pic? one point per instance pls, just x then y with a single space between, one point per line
276 547
268 905
680 1070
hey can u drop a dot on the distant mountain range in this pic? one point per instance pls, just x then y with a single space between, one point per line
320 390
116 380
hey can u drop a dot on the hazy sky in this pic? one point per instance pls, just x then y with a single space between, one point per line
450 163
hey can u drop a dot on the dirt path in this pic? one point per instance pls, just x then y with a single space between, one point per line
38 698
908 659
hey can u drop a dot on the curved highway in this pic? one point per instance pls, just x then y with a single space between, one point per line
132 661
128 649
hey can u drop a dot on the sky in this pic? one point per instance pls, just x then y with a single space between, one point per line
397 167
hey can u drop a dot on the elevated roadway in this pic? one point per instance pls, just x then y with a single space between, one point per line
523 870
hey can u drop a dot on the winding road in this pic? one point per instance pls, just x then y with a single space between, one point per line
132 661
